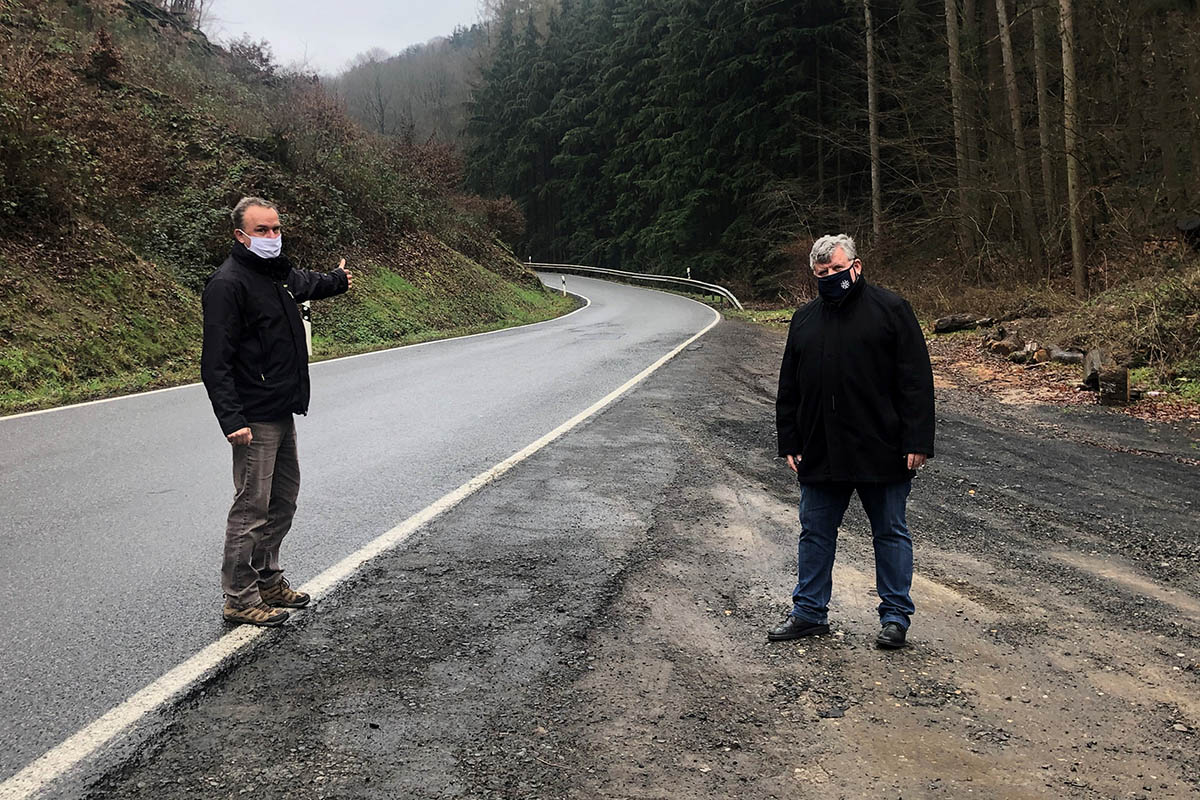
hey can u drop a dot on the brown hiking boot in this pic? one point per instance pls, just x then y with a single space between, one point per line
261 614
281 595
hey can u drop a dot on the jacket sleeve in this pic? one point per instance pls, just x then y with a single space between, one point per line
307 285
914 400
222 331
787 401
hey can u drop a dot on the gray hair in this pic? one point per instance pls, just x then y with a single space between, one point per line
238 215
822 249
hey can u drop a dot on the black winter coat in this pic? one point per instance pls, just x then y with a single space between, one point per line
255 360
855 389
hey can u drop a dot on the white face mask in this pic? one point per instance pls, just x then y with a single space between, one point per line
264 246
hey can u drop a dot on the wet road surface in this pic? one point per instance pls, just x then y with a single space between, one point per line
113 513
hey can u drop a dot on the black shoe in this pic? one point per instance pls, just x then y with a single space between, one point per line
793 628
892 636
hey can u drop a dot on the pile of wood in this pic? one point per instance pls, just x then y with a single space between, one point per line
1101 373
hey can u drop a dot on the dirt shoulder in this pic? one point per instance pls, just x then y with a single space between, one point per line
593 625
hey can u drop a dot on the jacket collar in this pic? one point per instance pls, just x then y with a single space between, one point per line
274 268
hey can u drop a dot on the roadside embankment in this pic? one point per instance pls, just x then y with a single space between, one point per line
125 139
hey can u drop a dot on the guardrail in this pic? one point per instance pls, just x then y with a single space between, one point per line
641 276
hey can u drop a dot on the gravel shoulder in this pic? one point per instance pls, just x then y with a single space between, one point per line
593 625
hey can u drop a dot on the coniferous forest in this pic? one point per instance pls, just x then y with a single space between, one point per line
1001 140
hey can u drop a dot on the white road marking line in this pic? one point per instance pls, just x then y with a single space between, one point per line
587 302
53 764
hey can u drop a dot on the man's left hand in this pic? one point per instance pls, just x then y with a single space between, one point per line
349 275
916 460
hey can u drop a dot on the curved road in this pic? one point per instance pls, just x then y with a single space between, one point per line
110 536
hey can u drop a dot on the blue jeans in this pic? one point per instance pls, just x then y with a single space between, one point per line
822 506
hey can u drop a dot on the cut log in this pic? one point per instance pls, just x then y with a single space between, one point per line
955 322
1006 347
1190 230
1096 361
1066 356
995 334
1114 386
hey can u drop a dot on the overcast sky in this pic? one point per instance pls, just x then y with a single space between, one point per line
328 33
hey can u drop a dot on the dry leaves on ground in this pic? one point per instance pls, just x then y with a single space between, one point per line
960 362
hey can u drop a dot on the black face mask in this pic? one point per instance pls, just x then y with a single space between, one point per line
836 286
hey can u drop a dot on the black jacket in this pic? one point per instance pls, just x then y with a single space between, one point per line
255 360
855 389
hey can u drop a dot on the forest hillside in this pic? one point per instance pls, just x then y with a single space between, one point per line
126 137
1034 158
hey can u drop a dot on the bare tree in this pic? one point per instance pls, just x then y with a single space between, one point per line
372 90
195 12
1029 230
1163 39
1041 72
966 236
1066 31
873 124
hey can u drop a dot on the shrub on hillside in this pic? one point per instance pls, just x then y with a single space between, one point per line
210 126
104 60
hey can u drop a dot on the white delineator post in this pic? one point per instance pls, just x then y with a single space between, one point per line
564 285
306 316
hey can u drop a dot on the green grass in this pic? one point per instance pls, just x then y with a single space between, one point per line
1150 379
100 322
46 383
775 318
388 310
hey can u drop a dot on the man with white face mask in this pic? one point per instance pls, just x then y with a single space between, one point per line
255 368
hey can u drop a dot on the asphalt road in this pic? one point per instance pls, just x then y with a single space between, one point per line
111 531
593 625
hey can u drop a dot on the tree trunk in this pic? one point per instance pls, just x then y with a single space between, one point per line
1066 30
995 113
1194 119
969 61
820 136
1029 230
965 233
837 168
873 125
1133 92
1043 103
1166 113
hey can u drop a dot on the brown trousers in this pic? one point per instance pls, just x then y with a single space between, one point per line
266 482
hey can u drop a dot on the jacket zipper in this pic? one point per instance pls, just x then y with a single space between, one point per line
291 332
262 349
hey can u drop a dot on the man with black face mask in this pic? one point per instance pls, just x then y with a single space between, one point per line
854 414
255 368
